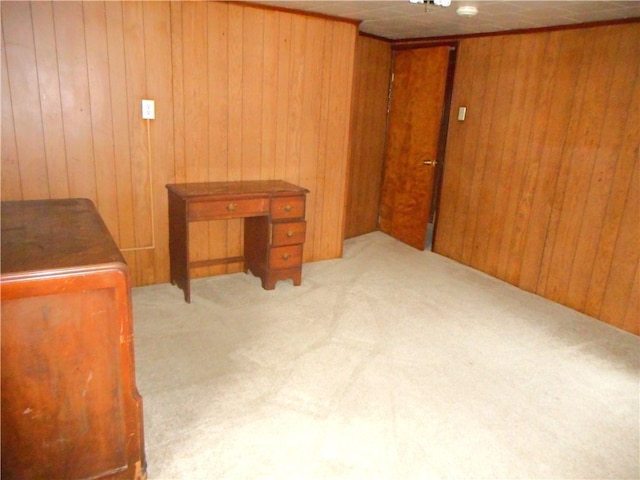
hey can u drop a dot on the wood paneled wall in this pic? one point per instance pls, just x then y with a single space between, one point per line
368 130
541 181
240 93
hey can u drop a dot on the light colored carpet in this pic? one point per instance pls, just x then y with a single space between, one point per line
387 364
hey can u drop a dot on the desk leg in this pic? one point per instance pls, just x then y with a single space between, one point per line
179 244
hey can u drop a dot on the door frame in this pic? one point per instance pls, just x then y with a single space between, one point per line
444 123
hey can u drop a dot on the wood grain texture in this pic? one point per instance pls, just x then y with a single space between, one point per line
67 351
241 93
49 85
372 73
413 134
22 81
11 180
552 132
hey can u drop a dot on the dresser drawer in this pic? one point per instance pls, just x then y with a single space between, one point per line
285 257
220 209
288 233
283 208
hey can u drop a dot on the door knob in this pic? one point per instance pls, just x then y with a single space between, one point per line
430 162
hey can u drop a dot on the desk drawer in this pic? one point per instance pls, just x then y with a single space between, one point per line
221 209
285 257
283 208
288 233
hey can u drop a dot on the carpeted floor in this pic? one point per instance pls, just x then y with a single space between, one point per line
387 364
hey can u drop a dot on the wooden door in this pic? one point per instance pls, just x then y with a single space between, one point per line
413 132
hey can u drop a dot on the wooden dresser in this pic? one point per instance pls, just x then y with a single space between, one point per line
70 406
274 227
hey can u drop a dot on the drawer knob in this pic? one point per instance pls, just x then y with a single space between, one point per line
232 206
290 233
286 256
288 208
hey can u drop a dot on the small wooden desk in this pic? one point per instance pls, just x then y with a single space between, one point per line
274 227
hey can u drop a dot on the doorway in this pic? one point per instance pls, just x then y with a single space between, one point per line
419 105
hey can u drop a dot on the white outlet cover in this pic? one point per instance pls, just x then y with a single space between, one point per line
148 109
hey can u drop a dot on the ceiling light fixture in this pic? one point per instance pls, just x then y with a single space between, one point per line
440 3
467 11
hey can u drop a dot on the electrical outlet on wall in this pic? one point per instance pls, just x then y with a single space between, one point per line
148 109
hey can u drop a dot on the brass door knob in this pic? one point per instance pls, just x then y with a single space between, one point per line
430 162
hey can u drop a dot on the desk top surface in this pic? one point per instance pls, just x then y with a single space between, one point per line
51 235
239 188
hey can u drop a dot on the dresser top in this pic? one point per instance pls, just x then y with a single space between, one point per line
50 235
238 188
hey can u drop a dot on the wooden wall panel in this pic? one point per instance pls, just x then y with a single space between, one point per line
241 93
552 134
372 72
100 108
49 86
157 43
120 123
26 118
334 173
11 180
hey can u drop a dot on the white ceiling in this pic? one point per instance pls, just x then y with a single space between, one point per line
399 19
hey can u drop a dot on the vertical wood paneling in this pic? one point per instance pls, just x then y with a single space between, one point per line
463 174
532 240
515 89
605 163
252 74
159 86
626 176
241 93
513 159
177 81
22 74
369 113
631 320
339 93
526 162
484 165
133 19
11 181
587 135
271 54
562 213
101 120
294 112
321 165
218 55
450 197
282 103
120 125
620 292
559 136
49 86
196 106
236 132
76 102
494 187
311 117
